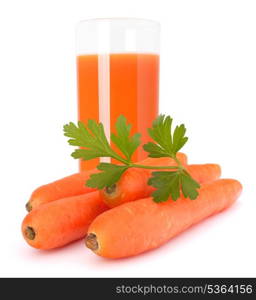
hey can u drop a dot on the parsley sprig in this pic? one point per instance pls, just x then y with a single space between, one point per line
167 145
92 139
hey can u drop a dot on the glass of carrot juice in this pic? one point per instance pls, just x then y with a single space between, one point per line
118 73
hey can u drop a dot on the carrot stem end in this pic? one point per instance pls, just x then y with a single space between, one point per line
91 242
30 233
28 206
110 189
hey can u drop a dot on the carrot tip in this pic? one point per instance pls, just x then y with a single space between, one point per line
28 206
91 242
30 233
110 189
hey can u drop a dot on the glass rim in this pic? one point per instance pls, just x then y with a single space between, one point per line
124 19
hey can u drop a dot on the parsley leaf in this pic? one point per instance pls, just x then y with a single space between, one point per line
155 150
179 138
126 143
110 174
168 144
169 184
92 138
189 186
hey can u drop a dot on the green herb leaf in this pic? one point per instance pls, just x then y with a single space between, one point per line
189 186
126 143
168 144
169 184
110 175
179 138
86 154
155 150
79 134
92 138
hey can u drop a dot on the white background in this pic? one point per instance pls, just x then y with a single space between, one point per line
208 81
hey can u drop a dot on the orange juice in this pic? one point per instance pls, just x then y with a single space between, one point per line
133 92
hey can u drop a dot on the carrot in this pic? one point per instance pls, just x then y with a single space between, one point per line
68 186
62 221
204 173
75 184
139 226
133 184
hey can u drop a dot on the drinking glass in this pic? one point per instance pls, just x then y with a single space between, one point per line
118 73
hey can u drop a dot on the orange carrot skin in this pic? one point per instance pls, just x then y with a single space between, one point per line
133 184
75 184
62 221
136 227
66 187
204 173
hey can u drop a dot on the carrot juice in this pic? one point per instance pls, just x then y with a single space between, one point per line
130 88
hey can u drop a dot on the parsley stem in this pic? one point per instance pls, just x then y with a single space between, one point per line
119 158
153 167
178 162
178 167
